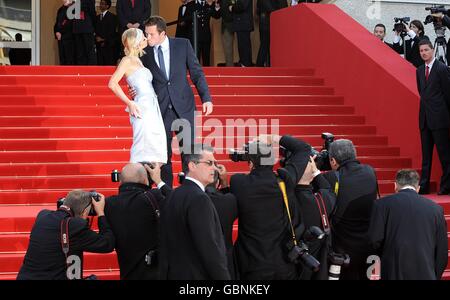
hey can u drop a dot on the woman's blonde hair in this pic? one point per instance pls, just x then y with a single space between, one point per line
131 40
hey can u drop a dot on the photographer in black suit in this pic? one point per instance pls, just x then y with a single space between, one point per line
433 84
355 186
45 258
264 229
192 244
134 218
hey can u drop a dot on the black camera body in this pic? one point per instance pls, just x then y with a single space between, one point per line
254 152
400 25
300 254
323 157
93 194
437 23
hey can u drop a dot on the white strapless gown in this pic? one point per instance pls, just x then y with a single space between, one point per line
149 134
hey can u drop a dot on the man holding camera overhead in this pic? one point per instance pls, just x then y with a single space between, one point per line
134 218
59 238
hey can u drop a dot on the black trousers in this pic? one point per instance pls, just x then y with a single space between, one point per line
169 117
204 51
441 139
244 48
85 49
66 52
263 59
105 56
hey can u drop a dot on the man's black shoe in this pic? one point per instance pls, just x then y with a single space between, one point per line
444 192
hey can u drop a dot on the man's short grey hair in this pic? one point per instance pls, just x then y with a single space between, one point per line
407 177
342 150
78 201
193 154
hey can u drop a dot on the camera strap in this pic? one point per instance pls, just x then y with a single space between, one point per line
153 203
323 212
282 186
65 240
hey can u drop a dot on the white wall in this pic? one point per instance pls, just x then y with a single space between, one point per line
369 13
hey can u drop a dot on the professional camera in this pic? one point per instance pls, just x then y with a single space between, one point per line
322 158
254 152
439 28
92 194
337 261
401 24
115 174
300 252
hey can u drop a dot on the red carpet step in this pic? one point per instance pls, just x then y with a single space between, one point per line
61 128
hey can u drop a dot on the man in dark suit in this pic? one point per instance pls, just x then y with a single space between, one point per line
380 32
134 218
433 83
63 31
242 11
106 35
45 259
226 206
84 30
184 20
133 13
169 60
192 245
409 232
264 226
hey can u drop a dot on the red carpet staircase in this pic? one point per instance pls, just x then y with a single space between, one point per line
61 129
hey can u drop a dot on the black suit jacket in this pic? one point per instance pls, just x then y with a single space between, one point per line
63 24
176 90
412 52
45 259
135 223
106 28
127 14
410 233
87 22
434 96
192 245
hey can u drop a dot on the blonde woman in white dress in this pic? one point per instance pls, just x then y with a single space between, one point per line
149 135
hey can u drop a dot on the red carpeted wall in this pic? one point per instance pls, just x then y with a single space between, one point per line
373 78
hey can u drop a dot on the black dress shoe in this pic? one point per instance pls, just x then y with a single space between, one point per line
444 192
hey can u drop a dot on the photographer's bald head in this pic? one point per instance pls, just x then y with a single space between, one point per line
134 172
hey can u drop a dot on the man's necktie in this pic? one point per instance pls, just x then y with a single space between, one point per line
162 65
427 73
132 3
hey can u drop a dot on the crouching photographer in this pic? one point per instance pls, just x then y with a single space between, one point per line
269 242
59 238
134 218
